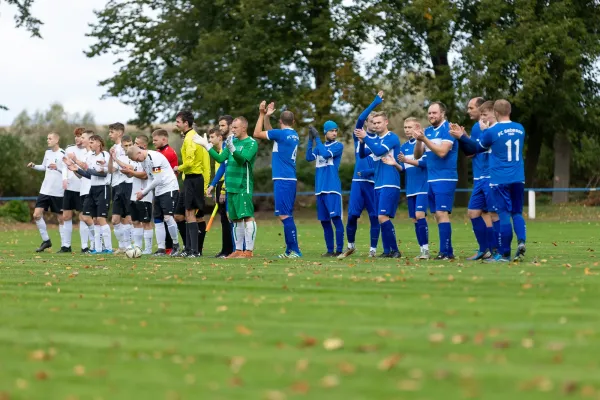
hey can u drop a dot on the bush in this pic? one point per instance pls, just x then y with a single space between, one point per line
16 210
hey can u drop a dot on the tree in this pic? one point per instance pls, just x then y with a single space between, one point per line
226 56
541 56
23 17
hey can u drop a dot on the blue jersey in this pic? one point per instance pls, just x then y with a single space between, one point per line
416 177
285 148
481 165
364 165
379 147
328 157
505 139
441 168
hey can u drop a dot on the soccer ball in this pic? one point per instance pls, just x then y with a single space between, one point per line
135 252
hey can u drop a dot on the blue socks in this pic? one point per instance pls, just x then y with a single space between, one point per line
328 233
446 238
497 238
351 227
520 228
506 234
339 233
422 230
388 236
480 231
290 233
375 228
491 237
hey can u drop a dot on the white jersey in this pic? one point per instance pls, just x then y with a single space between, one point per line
99 163
159 170
52 185
73 182
117 176
140 184
85 182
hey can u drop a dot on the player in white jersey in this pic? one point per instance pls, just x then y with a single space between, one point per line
51 192
166 190
121 188
72 186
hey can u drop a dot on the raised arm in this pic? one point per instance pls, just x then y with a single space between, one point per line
259 133
310 155
377 148
270 111
362 118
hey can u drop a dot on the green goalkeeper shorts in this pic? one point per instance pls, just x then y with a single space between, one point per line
240 205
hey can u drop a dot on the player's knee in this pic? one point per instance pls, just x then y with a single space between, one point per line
383 218
474 213
116 219
283 217
178 218
419 215
169 218
442 216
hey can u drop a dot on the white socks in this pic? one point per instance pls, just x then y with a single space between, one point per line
161 235
250 235
138 237
148 239
106 237
98 238
61 231
352 245
91 237
68 232
118 228
239 231
41 225
425 247
84 233
127 234
172 226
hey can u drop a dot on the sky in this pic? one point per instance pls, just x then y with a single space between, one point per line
37 72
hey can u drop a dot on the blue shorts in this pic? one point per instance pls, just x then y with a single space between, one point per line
329 205
481 197
508 197
387 199
362 195
416 203
285 196
441 196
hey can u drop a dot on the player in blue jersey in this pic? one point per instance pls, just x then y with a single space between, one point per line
507 177
362 190
416 185
442 153
328 187
283 164
387 178
480 203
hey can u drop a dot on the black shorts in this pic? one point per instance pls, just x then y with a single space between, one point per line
141 211
121 198
72 201
52 203
165 204
86 204
97 202
193 189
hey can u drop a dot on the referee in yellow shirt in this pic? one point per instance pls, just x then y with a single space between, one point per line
195 170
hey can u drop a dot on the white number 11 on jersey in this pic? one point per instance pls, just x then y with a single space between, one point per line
508 144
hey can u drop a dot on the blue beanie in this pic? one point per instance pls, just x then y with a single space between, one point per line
329 125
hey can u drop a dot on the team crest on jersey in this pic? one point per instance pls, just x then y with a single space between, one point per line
156 170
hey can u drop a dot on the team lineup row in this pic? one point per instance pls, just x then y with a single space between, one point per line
143 185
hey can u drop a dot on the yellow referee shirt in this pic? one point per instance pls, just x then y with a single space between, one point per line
195 159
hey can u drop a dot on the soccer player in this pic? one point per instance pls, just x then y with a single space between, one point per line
387 178
507 177
240 152
72 198
160 139
328 187
416 185
98 201
163 181
362 190
442 152
216 139
283 165
195 168
51 192
121 189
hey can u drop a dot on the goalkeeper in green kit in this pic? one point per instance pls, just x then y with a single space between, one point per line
240 153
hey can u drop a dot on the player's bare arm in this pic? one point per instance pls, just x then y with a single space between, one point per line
259 133
269 112
390 161
418 134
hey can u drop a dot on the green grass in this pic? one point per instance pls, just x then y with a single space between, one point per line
81 327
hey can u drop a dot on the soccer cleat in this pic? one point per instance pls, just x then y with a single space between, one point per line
46 244
94 253
236 254
107 251
477 256
384 255
291 254
159 253
65 249
445 257
520 252
496 259
168 251
220 255
181 254
424 255
329 254
193 255
488 254
372 253
175 250
349 251
248 254
85 251
395 254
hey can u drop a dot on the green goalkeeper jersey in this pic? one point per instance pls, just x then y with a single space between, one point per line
239 175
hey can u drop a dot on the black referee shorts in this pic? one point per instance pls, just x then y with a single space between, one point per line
193 189
72 201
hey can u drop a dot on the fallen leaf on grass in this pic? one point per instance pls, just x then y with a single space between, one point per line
236 381
333 344
41 375
587 391
242 330
221 308
458 339
330 381
436 337
409 385
346 368
301 365
527 343
307 341
389 362
366 348
274 395
236 363
39 355
79 370
22 383
502 344
301 387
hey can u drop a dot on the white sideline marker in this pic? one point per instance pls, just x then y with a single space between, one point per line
531 204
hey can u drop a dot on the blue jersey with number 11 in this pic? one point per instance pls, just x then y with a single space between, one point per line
506 140
285 148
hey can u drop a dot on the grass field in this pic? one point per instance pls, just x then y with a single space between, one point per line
83 327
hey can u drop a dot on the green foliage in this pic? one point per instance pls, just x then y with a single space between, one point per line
15 178
23 17
15 210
